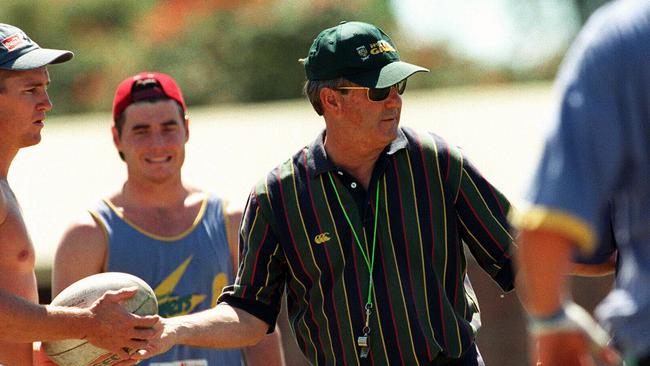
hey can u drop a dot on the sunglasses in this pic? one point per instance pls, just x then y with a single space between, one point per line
378 94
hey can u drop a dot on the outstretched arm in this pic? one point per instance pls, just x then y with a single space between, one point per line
223 326
105 324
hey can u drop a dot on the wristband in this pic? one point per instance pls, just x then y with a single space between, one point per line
556 322
569 318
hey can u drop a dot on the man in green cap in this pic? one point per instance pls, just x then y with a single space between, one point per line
363 228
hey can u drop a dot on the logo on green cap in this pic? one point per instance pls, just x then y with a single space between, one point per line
363 52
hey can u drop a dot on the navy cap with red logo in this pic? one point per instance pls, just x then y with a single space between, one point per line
19 52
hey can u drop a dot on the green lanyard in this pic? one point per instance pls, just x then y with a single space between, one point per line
362 341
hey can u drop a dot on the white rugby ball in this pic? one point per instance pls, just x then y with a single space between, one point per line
83 293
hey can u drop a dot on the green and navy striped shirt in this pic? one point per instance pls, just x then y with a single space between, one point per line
294 235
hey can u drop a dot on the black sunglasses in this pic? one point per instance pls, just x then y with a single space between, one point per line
379 94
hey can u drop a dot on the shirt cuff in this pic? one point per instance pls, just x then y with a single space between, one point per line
258 309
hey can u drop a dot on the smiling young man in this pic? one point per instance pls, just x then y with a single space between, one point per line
24 102
364 228
179 239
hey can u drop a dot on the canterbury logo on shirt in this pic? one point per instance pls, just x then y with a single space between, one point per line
322 238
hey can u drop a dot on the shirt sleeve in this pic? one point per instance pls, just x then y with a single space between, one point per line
606 241
260 280
482 214
584 157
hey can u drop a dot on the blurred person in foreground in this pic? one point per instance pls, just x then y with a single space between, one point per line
24 101
180 239
364 228
596 163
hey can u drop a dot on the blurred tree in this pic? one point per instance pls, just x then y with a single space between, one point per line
99 34
218 50
251 54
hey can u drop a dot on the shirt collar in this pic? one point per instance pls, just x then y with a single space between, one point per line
318 163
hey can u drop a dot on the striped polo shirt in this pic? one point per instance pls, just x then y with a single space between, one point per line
295 235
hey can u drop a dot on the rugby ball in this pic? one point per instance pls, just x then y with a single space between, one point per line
83 293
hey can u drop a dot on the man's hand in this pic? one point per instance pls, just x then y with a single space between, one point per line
571 337
166 329
117 330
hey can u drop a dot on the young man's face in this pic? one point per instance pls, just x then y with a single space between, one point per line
23 104
153 140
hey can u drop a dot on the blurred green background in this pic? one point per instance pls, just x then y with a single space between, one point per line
238 51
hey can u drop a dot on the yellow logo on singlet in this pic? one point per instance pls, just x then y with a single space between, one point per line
171 305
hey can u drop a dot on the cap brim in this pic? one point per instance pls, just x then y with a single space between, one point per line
38 58
388 75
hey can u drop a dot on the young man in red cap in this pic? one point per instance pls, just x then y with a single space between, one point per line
181 240
364 228
23 104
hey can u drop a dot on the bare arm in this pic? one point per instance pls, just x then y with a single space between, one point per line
268 352
541 289
24 321
544 258
105 323
81 253
222 326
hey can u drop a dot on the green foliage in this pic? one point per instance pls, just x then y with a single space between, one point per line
244 54
94 30
244 59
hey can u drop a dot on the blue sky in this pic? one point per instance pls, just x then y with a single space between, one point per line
495 31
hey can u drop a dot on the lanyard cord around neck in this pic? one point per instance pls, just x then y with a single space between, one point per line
370 262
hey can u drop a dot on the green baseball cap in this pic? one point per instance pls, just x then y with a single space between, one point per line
358 52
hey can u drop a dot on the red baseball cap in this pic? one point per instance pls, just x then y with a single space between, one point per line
159 85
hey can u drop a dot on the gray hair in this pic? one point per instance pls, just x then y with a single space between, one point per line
312 90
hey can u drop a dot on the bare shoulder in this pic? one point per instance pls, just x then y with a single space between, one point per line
80 253
85 228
